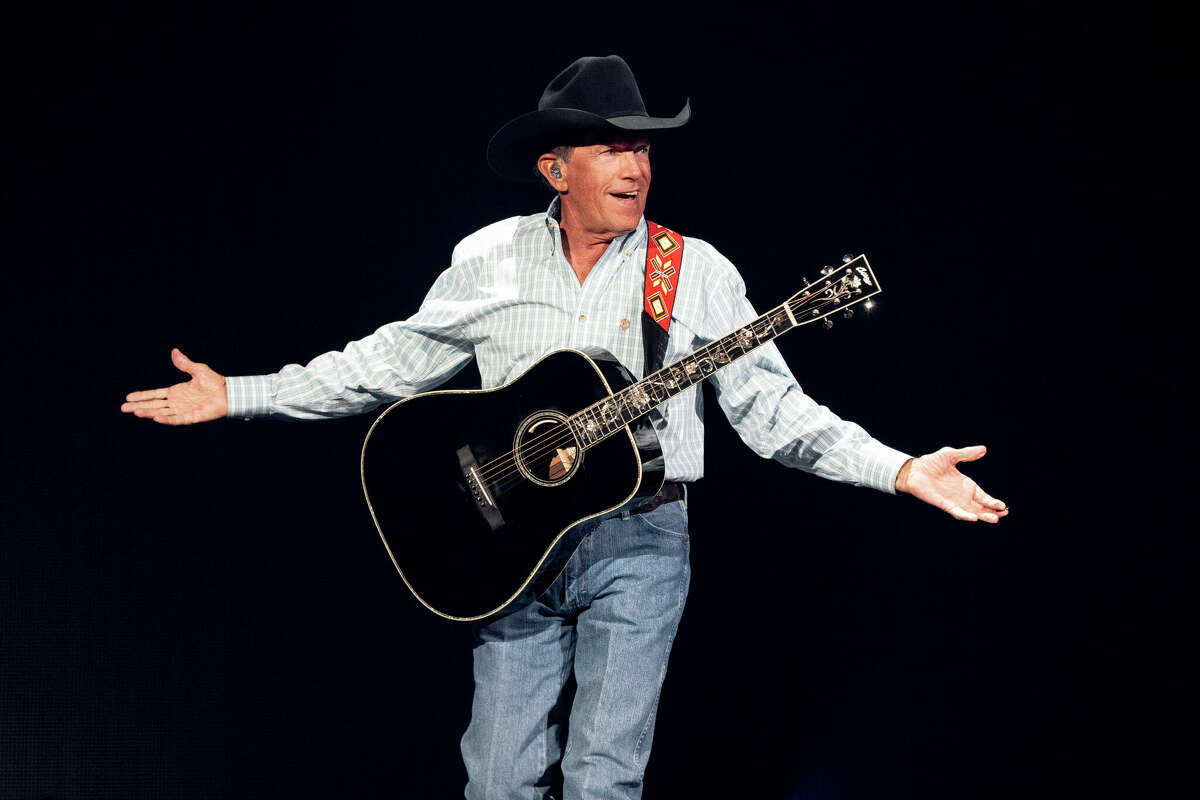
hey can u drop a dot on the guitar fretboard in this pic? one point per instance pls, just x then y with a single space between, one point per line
838 289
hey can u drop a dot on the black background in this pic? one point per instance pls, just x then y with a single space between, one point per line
208 612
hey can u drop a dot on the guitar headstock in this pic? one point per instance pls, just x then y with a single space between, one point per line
835 291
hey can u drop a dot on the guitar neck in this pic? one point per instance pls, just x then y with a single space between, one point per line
835 291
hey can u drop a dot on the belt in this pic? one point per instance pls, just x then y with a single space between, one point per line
669 493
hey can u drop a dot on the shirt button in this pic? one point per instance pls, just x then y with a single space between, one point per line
624 324
583 317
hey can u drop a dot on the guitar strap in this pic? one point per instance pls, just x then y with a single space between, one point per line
664 260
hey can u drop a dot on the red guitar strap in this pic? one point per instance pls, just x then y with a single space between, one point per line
664 260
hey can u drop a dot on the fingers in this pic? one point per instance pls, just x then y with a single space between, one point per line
984 508
149 408
161 412
985 499
146 404
958 512
146 408
148 394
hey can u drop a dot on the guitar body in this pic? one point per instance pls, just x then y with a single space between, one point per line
505 479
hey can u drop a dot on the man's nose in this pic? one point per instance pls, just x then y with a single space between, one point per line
629 165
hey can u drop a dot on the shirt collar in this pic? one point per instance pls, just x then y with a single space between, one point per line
632 239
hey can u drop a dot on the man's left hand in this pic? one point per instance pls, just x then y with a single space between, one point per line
935 479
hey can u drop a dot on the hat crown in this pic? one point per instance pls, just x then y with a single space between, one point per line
596 93
601 85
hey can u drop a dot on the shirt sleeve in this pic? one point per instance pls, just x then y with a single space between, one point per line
773 415
398 360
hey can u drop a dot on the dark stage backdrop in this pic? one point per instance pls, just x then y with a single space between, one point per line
208 612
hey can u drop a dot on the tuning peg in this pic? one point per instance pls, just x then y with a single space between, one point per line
848 313
828 323
846 259
826 270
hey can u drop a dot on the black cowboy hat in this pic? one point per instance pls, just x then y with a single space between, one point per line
594 94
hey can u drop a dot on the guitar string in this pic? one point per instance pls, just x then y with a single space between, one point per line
537 459
505 465
540 448
502 467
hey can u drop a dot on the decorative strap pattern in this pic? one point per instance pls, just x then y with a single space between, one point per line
664 260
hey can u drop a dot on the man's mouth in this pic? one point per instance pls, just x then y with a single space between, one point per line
625 195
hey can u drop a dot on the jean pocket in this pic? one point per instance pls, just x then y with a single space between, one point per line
669 518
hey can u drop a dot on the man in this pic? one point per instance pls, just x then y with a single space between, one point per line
574 277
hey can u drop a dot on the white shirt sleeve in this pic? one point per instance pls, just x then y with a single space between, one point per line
773 415
398 360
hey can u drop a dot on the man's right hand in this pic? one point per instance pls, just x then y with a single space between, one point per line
200 399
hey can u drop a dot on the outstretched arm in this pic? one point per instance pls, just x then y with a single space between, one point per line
935 479
198 399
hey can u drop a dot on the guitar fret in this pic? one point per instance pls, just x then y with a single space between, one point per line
781 319
686 372
787 309
590 429
723 357
608 412
616 412
657 391
584 434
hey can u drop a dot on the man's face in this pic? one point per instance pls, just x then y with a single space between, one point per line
607 186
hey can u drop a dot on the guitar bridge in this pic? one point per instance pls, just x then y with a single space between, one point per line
478 488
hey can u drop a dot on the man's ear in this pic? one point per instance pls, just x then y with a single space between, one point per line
545 163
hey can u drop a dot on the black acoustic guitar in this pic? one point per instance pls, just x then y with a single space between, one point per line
518 467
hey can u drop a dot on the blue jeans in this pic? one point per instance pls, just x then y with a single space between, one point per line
608 621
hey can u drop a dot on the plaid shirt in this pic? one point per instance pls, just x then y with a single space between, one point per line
510 296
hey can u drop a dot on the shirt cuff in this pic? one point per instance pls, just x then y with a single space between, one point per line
881 465
248 396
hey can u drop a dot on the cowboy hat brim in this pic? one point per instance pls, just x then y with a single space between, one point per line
512 151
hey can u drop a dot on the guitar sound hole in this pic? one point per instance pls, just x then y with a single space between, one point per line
546 450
